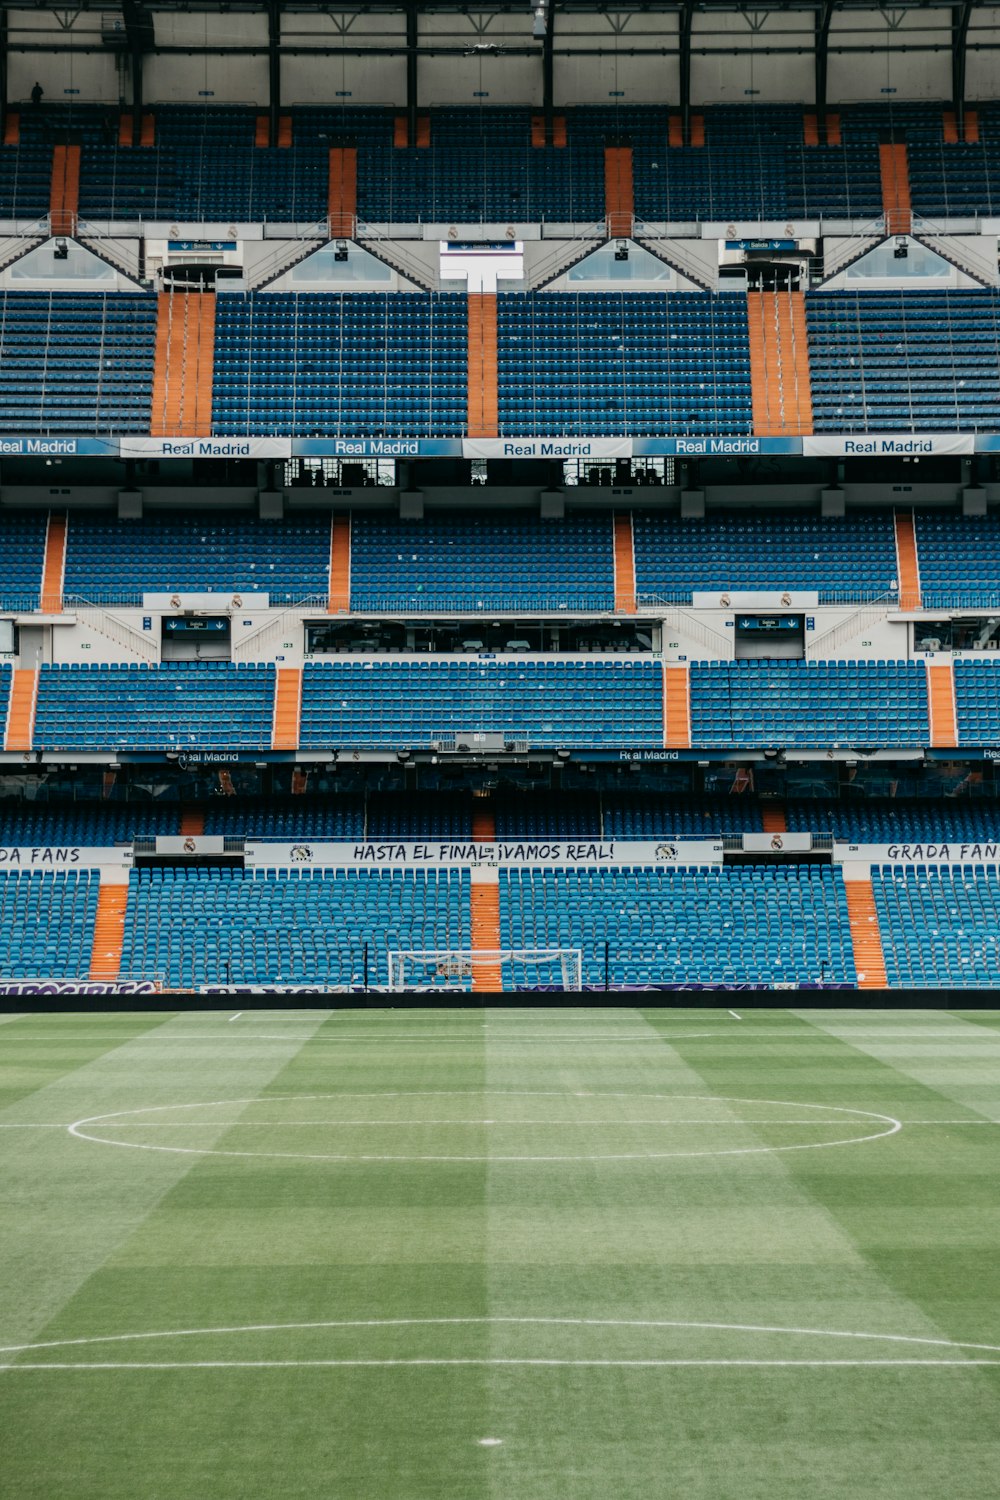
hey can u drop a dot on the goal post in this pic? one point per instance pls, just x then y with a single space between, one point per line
458 968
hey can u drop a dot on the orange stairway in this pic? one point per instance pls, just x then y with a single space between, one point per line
484 823
485 899
482 412
676 708
147 135
342 192
339 600
192 822
109 932
869 959
64 194
184 364
12 129
833 136
772 817
624 565
895 170
941 706
284 132
907 562
780 382
619 199
21 709
126 129
401 132
971 127
287 709
538 130
810 130
950 123
262 132
54 567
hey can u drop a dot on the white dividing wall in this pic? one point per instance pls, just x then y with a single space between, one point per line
212 78
70 74
479 75
752 75
982 69
343 78
616 76
891 69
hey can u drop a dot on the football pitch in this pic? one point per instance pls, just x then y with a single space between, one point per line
517 1254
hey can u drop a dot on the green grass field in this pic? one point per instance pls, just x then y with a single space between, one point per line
599 1255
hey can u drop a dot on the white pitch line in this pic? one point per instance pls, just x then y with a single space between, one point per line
643 1324
735 1016
414 1123
236 1017
129 1115
600 1364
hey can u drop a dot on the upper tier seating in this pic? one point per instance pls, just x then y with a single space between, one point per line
977 700
749 923
940 925
47 923
184 704
22 553
297 927
415 703
401 815
303 817
6 674
85 825
757 704
76 362
488 561
118 561
480 165
850 558
959 560
894 820
624 815
612 363
366 364
904 361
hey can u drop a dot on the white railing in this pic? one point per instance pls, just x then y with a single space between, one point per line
136 642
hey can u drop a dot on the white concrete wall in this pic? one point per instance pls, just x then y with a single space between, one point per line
753 75
69 75
890 65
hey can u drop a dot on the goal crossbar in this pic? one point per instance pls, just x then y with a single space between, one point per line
428 968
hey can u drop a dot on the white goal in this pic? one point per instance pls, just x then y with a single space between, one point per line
460 968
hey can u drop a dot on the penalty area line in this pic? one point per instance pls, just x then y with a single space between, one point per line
500 1362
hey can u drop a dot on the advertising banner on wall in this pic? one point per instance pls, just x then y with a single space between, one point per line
547 447
926 853
205 447
65 857
59 447
387 854
76 987
888 445
373 447
708 447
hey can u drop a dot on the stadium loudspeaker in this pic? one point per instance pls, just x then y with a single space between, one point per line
411 505
692 505
130 505
831 503
973 502
552 505
271 505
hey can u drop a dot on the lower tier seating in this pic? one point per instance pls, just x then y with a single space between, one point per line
304 926
413 703
47 923
173 706
765 924
940 925
754 703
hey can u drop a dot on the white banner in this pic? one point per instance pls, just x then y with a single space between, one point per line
777 843
77 987
205 447
386 854
190 844
63 858
916 854
888 445
549 447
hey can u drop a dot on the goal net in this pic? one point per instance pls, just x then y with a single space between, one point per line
485 969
